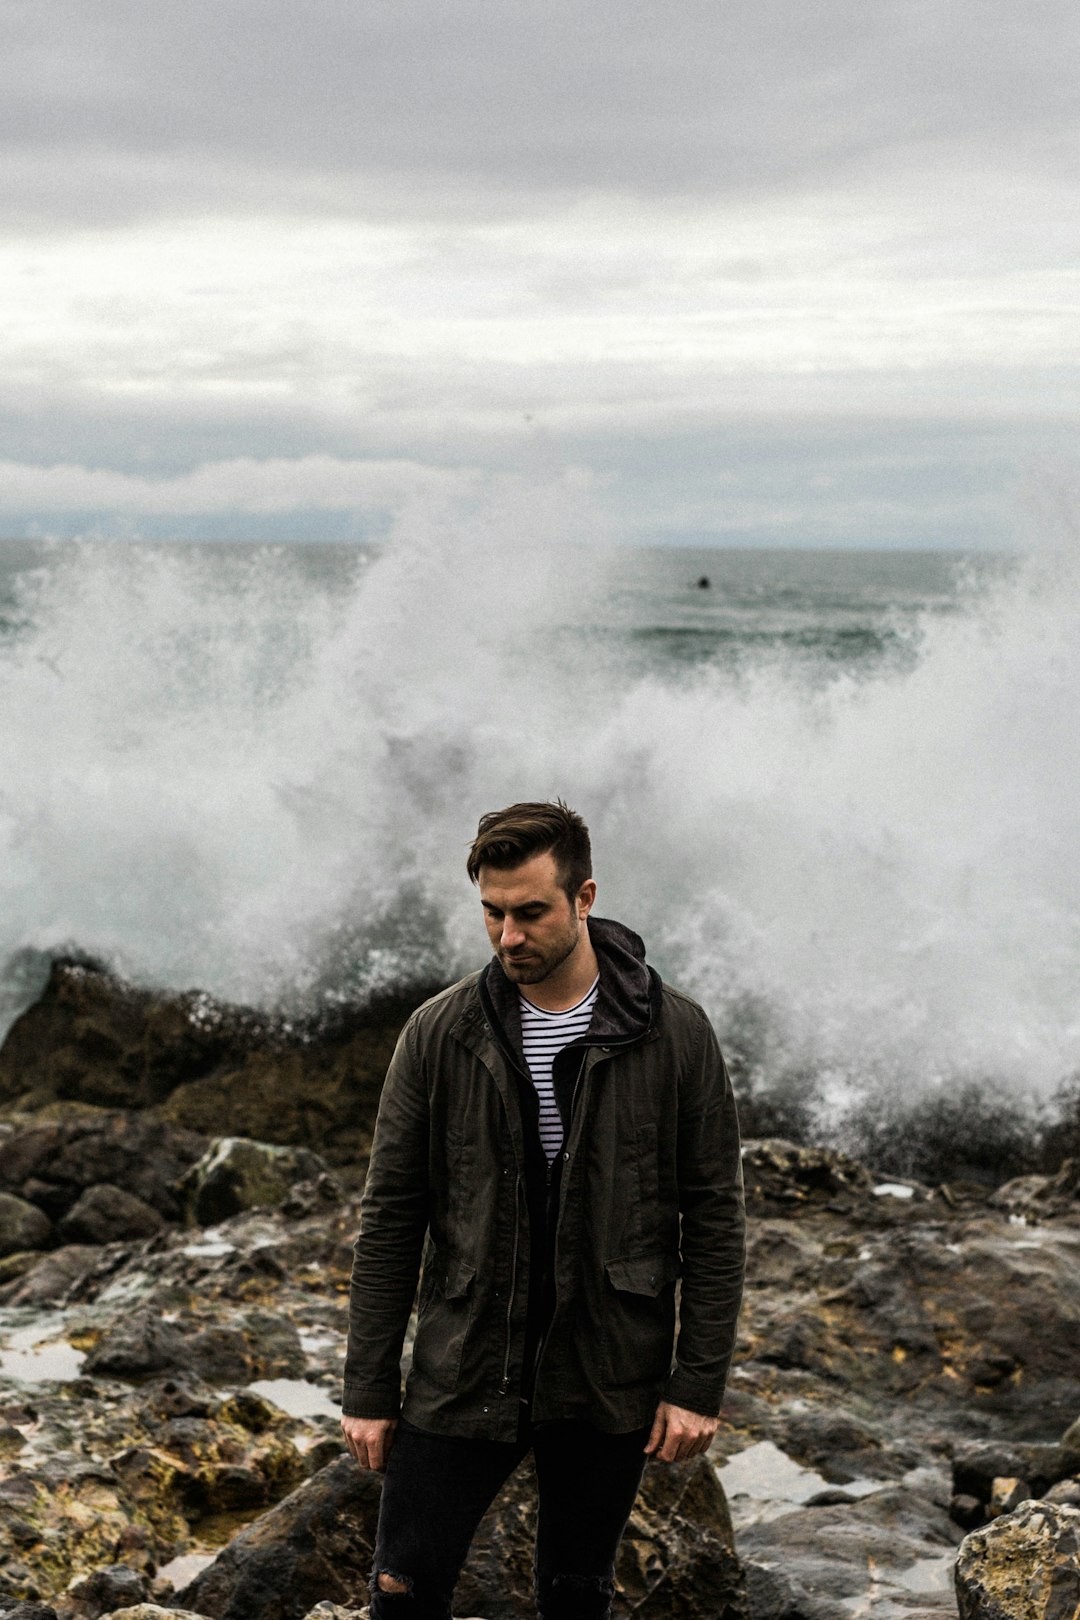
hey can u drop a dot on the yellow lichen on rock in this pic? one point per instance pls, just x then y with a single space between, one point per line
1023 1566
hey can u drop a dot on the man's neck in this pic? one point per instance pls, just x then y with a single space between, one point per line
571 981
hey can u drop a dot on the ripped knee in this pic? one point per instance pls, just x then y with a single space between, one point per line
392 1585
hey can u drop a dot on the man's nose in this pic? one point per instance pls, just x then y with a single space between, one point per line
511 934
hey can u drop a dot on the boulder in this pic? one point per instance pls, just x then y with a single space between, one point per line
52 1162
677 1561
202 1064
260 1344
782 1177
1039 1464
1023 1566
154 1611
1042 1198
318 1543
103 1591
108 1214
135 1349
237 1173
22 1225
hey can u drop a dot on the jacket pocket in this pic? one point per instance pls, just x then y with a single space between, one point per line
444 1321
639 1318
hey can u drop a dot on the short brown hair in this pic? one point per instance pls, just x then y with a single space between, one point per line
508 837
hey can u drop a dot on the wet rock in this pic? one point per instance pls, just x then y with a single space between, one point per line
1007 1494
53 1279
138 1347
105 1590
1023 1566
967 1511
22 1225
261 1344
335 1611
27 1611
237 1173
318 1543
772 1595
202 1064
107 1214
783 1177
154 1611
58 1520
1066 1492
1042 1198
52 1162
677 1559
977 1464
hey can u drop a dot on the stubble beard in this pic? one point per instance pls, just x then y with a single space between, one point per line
535 972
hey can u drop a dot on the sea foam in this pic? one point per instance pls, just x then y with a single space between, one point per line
233 771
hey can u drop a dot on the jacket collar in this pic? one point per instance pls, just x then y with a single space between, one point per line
626 1003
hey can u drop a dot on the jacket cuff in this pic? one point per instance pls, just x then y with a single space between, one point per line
682 1390
370 1403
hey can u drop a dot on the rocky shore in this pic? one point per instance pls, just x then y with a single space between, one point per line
178 1198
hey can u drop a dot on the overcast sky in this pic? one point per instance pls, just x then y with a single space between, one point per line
759 271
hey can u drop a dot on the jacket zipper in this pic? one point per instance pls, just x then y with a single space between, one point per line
505 1384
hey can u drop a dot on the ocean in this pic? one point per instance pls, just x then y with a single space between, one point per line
837 793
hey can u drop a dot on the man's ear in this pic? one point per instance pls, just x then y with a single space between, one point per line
586 897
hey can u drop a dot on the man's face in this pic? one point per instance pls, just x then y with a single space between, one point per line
532 925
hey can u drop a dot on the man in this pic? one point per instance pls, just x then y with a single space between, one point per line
556 1143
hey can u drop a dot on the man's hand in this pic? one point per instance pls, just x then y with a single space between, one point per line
678 1434
369 1440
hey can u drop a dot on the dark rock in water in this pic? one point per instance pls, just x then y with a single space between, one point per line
237 1173
53 1162
703 582
22 1225
1023 1566
318 1543
204 1065
107 1214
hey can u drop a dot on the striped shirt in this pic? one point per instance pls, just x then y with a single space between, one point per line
543 1036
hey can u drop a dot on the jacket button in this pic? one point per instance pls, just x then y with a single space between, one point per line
566 1158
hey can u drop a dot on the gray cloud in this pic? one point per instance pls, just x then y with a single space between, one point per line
392 104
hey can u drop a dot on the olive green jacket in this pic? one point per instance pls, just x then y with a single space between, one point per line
650 1193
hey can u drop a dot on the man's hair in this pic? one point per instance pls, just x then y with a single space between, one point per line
506 838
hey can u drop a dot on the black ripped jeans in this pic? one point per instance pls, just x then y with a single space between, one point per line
438 1488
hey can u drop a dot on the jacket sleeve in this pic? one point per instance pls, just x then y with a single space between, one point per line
386 1255
713 1230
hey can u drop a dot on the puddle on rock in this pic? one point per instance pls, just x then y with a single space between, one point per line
180 1571
763 1483
930 1577
36 1354
297 1397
